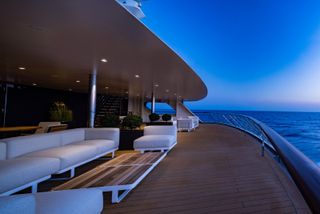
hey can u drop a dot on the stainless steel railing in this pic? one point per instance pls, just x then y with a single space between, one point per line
304 172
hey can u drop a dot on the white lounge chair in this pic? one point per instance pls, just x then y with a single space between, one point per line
185 124
44 126
162 138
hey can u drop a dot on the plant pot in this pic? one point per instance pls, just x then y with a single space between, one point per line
127 137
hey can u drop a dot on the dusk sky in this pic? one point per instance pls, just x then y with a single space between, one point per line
252 54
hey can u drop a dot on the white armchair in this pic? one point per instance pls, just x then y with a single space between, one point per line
155 138
185 124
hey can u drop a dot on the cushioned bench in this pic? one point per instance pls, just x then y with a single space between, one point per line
84 201
28 160
156 138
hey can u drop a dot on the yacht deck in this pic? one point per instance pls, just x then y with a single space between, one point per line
215 169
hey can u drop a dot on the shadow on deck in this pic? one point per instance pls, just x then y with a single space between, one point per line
216 169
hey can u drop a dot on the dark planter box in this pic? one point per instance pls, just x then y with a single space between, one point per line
159 123
127 137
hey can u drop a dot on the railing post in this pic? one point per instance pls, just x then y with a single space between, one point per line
262 148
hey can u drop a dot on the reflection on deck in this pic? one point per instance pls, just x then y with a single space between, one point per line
216 169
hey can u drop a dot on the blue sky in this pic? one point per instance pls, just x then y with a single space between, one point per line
252 54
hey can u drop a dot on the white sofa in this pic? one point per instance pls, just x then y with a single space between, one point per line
81 201
155 138
28 160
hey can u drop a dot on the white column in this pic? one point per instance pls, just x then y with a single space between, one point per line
153 103
92 97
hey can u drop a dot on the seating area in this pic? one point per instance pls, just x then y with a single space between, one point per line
28 160
25 161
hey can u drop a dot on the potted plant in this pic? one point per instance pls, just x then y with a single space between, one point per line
130 130
132 122
60 112
110 120
166 117
154 117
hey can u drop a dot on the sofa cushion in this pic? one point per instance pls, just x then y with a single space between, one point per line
103 133
160 130
101 145
154 141
69 155
18 146
20 171
25 204
71 136
81 201
3 151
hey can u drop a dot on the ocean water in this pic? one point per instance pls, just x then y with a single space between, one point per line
302 129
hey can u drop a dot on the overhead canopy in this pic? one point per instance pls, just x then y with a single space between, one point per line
59 42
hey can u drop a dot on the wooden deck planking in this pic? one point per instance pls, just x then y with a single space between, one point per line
215 169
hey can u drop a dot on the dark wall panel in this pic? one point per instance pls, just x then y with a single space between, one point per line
30 105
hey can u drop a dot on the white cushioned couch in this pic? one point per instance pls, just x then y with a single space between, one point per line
81 201
27 160
155 138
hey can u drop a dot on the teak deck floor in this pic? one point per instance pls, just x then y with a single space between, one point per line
215 169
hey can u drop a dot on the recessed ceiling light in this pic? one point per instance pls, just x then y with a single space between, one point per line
22 68
106 87
156 85
137 76
175 94
70 89
104 60
167 90
127 92
34 84
77 81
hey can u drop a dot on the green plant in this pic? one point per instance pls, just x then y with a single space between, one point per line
110 120
166 117
154 117
132 122
60 112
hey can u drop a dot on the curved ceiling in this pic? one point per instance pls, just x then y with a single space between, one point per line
59 42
